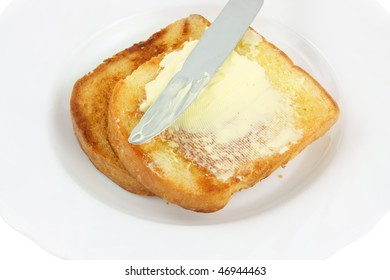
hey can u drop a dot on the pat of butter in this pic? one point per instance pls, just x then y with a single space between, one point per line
171 64
238 102
238 97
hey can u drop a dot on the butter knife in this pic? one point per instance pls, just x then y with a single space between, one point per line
201 65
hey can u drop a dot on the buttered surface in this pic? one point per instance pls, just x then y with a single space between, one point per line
239 116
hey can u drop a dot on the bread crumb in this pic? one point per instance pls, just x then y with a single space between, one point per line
280 176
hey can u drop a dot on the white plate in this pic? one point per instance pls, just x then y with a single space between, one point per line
331 194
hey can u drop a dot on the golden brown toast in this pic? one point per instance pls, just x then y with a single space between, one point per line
199 165
91 94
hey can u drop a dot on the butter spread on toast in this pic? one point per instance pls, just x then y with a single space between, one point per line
238 108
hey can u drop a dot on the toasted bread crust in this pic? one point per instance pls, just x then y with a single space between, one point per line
193 187
91 94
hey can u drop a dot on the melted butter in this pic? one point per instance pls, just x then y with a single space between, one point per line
171 64
236 99
237 118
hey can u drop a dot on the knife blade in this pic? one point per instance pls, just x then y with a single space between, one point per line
201 65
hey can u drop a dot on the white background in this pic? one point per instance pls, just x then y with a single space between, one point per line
367 258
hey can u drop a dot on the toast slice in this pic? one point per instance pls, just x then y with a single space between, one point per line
257 113
91 94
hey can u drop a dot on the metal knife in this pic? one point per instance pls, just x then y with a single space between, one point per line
201 65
